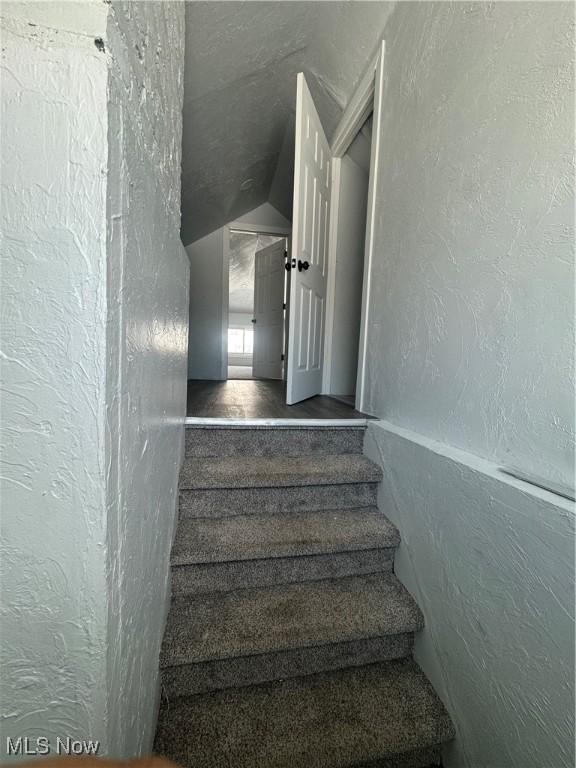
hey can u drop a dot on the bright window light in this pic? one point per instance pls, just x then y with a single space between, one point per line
240 341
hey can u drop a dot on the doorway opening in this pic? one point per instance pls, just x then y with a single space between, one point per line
295 300
350 223
256 332
356 147
349 256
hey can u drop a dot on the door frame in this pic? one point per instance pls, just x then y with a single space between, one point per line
254 229
367 98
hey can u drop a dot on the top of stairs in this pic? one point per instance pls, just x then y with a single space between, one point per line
289 439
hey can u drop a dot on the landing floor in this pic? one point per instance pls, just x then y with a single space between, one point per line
242 399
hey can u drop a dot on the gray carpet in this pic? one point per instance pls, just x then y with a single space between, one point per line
251 621
265 572
266 441
221 502
353 717
191 679
248 537
289 637
277 471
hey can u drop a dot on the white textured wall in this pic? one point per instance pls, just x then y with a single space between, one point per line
470 343
94 346
471 328
490 561
207 280
206 298
346 37
52 341
147 339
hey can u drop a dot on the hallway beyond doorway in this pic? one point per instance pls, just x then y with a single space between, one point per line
239 372
253 399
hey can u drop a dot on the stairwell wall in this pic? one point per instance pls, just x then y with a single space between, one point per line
490 561
53 361
147 335
471 342
94 349
472 302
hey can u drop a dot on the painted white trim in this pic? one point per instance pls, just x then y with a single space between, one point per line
370 228
331 278
367 98
358 109
253 229
225 300
204 421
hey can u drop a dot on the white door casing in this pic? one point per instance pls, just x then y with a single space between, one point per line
368 97
269 312
309 245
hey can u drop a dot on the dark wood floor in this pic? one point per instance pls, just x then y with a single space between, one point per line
245 399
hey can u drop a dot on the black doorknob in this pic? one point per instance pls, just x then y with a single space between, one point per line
290 265
302 265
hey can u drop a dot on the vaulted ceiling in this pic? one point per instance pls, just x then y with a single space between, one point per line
242 59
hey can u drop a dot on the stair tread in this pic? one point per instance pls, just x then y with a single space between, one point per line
265 440
282 617
250 537
336 719
275 471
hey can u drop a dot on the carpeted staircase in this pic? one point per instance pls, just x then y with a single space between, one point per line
289 638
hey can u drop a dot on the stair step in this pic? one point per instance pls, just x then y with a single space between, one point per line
277 471
383 714
221 554
251 537
223 502
193 679
244 574
275 619
267 441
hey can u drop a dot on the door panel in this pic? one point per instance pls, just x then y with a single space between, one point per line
309 244
269 312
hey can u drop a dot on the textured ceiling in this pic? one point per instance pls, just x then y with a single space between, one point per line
242 59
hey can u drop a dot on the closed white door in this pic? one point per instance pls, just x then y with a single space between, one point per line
269 312
309 251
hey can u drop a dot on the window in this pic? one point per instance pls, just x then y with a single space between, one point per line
240 341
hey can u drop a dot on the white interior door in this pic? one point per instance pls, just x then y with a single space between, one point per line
269 312
309 251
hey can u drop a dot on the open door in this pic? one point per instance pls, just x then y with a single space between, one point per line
309 251
269 312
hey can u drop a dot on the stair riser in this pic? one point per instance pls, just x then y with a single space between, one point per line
223 502
223 577
417 758
192 679
220 442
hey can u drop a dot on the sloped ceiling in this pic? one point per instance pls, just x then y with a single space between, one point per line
242 59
